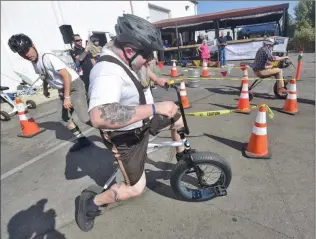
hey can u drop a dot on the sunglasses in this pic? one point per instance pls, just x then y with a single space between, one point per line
148 55
78 40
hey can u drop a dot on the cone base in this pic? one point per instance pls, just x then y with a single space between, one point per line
255 156
31 135
288 112
243 111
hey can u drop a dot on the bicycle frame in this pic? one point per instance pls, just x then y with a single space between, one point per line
10 102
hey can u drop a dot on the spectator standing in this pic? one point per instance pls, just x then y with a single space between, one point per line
222 43
228 37
83 58
95 48
205 52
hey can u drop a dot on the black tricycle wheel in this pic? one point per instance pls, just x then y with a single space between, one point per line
4 116
276 93
249 93
205 191
30 104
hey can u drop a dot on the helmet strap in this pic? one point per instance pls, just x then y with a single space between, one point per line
130 60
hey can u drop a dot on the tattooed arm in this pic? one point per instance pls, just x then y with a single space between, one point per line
115 115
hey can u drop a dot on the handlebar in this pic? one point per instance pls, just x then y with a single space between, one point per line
167 86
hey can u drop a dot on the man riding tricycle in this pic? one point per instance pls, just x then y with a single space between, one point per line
267 65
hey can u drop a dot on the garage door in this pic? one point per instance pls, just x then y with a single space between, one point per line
157 14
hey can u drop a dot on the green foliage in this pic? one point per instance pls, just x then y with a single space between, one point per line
305 14
304 36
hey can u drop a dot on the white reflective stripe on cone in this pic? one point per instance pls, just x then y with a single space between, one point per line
20 107
291 96
244 95
259 131
261 117
244 87
183 93
293 87
24 117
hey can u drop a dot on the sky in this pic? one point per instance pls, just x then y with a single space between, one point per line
217 6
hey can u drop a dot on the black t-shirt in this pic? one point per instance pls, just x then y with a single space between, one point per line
229 38
222 40
86 64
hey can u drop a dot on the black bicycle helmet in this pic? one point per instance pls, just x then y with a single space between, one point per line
138 32
19 43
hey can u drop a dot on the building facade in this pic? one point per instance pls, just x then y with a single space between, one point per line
41 21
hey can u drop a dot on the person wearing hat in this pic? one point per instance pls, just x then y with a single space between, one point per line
95 49
263 68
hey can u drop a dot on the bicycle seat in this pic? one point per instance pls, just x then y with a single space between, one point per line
4 88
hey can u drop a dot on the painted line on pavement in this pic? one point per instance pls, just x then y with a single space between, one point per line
39 157
52 150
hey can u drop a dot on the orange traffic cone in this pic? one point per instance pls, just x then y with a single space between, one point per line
290 105
28 125
205 72
184 97
258 143
245 72
243 103
174 72
160 64
243 67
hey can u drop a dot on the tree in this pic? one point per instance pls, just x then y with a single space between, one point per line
305 14
304 36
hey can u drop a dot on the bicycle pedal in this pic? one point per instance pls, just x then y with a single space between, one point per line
220 191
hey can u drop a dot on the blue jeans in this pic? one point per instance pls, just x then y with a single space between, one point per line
222 53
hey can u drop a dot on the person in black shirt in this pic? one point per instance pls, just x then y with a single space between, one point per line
228 37
83 58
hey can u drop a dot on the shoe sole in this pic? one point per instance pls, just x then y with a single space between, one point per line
81 217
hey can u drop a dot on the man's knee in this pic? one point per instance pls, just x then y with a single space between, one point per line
178 124
139 187
131 191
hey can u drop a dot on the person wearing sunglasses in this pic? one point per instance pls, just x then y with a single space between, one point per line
120 107
83 59
59 76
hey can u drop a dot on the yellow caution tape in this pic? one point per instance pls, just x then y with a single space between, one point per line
216 112
227 78
269 111
218 78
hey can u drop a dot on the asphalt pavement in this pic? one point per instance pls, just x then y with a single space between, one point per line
275 198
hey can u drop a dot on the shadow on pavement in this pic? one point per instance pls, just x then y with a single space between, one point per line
223 92
34 222
154 178
231 143
93 161
225 106
61 131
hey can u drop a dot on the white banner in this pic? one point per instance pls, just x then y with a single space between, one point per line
248 50
242 51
